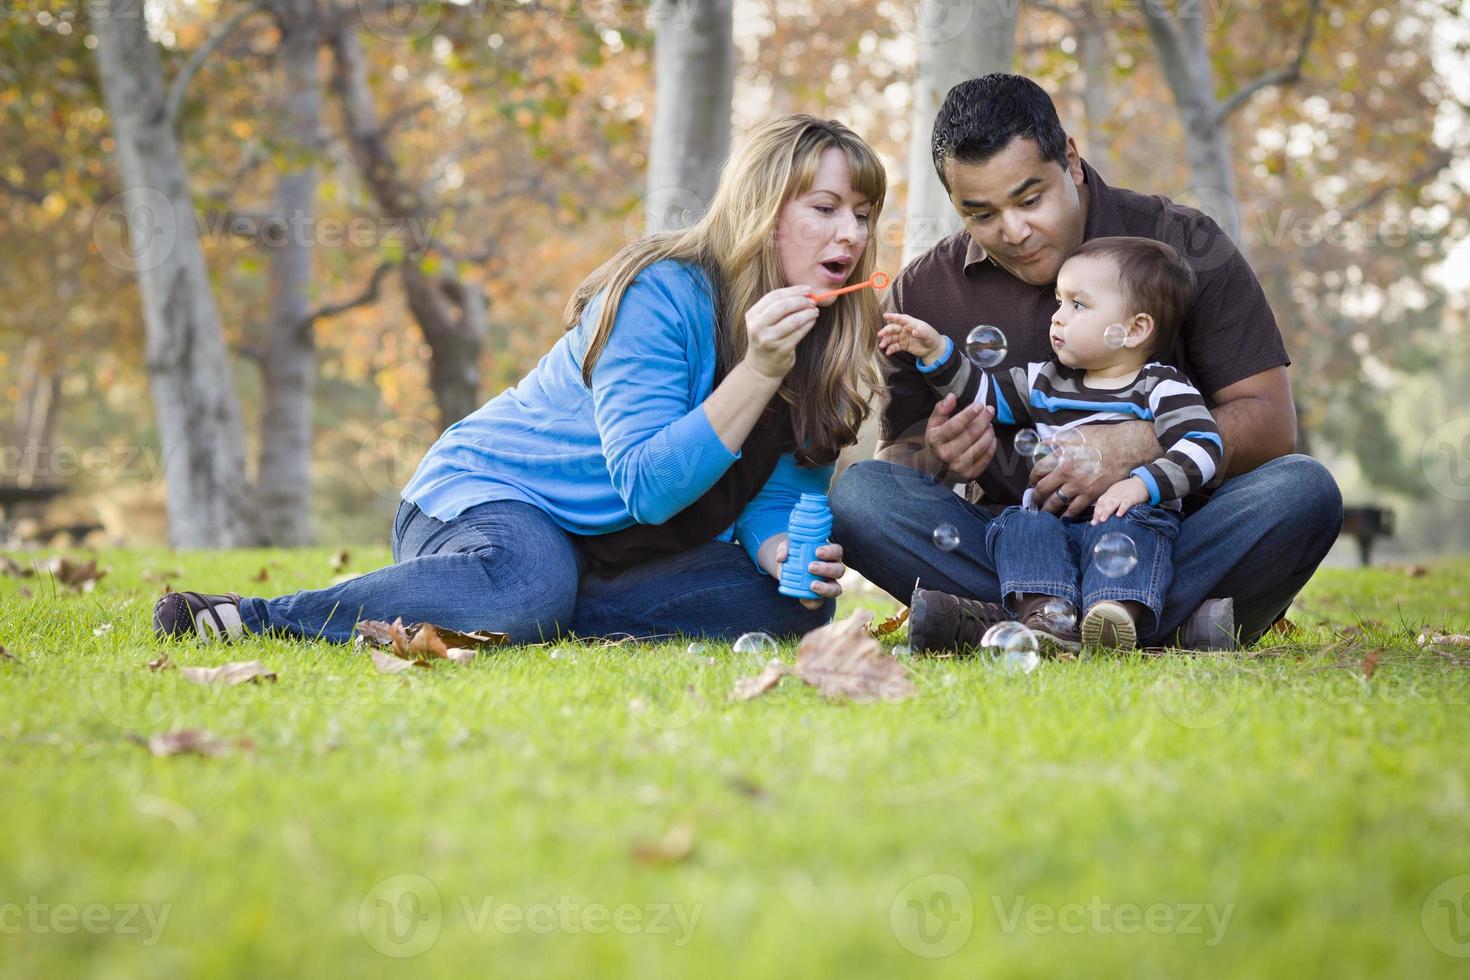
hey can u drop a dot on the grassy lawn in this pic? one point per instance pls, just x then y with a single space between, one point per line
582 809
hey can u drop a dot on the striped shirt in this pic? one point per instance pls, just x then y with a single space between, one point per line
1051 397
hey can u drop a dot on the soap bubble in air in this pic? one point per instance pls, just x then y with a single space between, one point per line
1115 555
757 645
986 345
1115 336
1012 648
1059 615
946 537
1026 441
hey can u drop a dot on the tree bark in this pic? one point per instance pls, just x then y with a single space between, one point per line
188 363
451 313
288 364
694 67
957 41
1184 56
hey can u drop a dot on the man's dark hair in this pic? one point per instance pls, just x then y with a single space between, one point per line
981 116
1155 278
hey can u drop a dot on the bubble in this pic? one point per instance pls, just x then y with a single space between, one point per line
1059 615
1026 441
946 538
1114 555
697 649
986 346
757 644
1068 442
1087 460
1115 336
903 650
1012 648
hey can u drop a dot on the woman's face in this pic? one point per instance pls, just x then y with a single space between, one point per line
821 234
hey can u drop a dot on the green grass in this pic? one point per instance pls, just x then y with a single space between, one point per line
1264 814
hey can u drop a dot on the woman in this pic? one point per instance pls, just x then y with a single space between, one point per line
639 480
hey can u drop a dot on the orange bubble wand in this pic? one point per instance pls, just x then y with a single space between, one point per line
879 281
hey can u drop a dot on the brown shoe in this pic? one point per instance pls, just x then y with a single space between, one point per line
941 623
1054 637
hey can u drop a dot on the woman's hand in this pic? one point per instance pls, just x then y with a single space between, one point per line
774 326
828 569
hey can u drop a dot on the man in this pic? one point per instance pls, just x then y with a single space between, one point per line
1028 201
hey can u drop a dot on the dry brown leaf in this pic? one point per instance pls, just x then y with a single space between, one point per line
76 575
426 645
161 662
6 654
340 560
1416 571
747 688
843 662
459 655
673 847
264 575
889 625
191 741
154 575
1444 639
1370 662
387 663
475 640
228 675
10 566
425 641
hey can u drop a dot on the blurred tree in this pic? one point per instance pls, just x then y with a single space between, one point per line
695 75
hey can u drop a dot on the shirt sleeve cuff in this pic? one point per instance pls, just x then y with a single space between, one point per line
1148 481
939 362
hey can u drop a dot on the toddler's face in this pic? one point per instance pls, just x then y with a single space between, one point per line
1090 299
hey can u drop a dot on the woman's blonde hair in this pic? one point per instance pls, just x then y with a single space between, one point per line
735 243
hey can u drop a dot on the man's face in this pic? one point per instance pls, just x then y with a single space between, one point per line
1026 212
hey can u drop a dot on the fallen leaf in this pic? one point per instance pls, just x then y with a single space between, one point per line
6 654
264 575
425 644
460 655
425 641
191 741
889 625
1444 639
10 566
1370 662
76 575
389 664
747 688
673 847
340 560
843 662
477 639
1416 571
153 575
228 675
26 593
161 662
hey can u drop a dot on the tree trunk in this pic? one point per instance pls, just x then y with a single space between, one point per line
1185 58
957 41
694 66
451 313
188 364
288 363
1095 59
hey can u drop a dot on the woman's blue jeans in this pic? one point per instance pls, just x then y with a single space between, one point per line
1036 553
507 567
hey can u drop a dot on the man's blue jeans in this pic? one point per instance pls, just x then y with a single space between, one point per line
508 567
1036 553
1258 540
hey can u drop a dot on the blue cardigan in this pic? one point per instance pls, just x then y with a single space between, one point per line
636 447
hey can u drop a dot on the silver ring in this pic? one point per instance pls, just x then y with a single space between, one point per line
1063 497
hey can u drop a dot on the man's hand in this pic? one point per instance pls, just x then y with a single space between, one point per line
1061 488
1119 498
962 442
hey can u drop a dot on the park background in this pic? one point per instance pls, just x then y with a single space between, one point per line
390 203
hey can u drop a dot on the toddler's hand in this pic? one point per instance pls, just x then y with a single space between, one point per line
1118 498
906 333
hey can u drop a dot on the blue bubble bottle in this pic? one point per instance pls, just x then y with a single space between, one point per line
810 526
